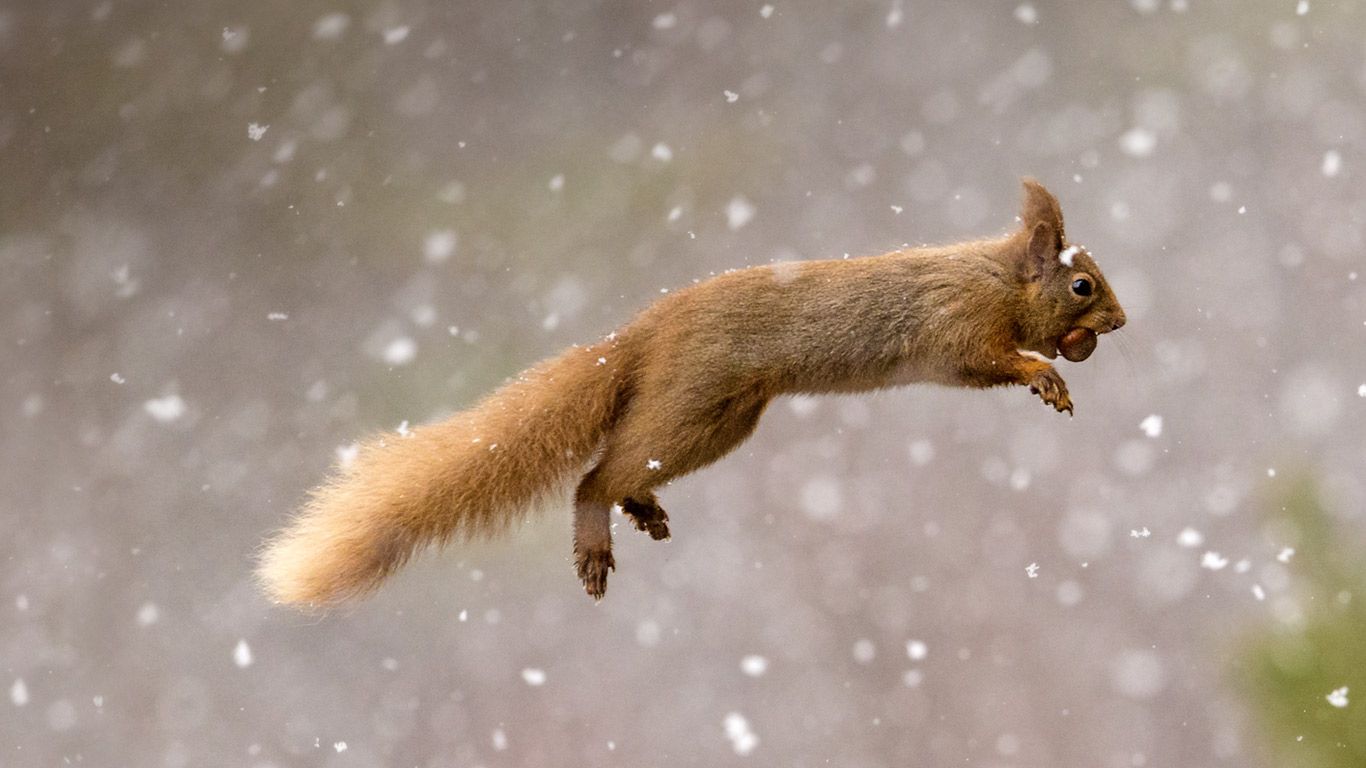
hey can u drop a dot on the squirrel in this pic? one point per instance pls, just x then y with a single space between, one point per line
684 383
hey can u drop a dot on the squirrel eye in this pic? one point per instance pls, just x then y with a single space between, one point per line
1081 286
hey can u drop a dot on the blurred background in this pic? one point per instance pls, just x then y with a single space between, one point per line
234 238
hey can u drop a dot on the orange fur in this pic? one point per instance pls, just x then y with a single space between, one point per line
470 475
683 384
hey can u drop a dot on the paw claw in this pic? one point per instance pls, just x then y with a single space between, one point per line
1050 387
592 567
658 530
648 517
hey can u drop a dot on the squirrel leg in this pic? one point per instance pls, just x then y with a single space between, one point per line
647 515
650 446
593 544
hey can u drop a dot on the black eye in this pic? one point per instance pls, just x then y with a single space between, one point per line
1081 286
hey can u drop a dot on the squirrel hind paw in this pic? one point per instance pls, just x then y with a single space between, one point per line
592 567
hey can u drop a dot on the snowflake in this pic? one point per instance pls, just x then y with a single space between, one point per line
241 655
1151 426
1213 561
1190 538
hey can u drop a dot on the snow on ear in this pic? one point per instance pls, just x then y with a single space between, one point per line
1040 207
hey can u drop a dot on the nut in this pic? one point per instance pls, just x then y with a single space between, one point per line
1077 344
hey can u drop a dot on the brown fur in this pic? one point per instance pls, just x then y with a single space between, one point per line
470 475
682 385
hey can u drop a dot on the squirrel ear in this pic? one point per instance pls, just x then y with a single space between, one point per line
1043 248
1041 207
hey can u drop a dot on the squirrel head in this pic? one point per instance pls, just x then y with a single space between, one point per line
1067 300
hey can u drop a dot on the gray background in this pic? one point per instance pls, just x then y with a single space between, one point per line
156 423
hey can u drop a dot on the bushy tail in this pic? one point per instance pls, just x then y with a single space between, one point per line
472 474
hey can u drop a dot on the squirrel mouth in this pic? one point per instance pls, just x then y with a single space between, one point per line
1077 344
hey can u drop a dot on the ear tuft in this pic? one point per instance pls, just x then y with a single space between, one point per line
1041 207
1041 251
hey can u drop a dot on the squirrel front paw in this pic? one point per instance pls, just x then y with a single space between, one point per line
1050 388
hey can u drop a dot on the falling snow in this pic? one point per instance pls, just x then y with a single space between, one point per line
1338 697
18 693
896 15
1213 561
1151 425
165 409
439 245
1190 538
742 739
241 655
400 351
201 329
1332 163
1138 142
916 650
739 212
754 665
331 26
148 614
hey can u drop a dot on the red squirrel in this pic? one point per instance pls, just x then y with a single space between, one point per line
684 383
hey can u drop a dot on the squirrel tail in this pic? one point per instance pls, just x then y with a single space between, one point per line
473 474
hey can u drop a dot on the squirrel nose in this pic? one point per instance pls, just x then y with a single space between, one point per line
1118 323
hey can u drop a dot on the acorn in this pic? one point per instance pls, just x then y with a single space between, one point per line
1077 344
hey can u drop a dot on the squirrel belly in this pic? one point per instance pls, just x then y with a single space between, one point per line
686 382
